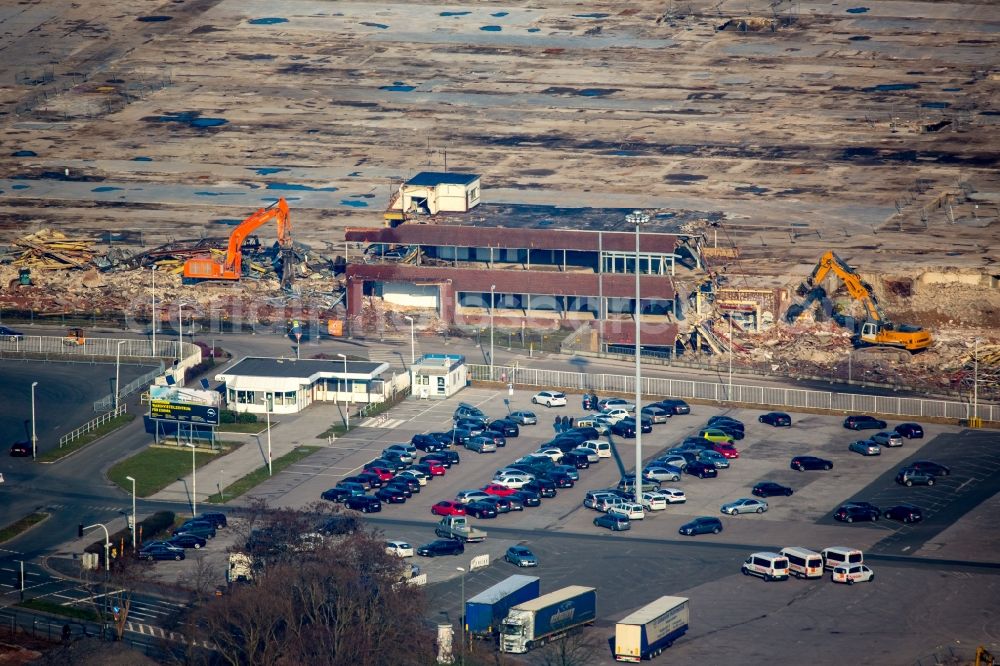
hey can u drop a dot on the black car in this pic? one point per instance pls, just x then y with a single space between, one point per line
363 481
505 428
930 467
647 424
701 470
393 495
336 494
850 513
188 540
910 430
363 503
10 334
216 518
425 468
459 436
501 504
481 509
915 477
776 419
528 498
407 482
160 551
702 525
561 479
204 530
20 450
582 433
578 460
446 456
720 419
391 465
771 489
802 463
441 547
426 443
373 480
340 524
623 428
734 431
473 425
863 422
675 406
544 487
399 486
906 513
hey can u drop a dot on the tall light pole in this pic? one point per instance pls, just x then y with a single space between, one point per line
134 526
347 405
194 482
413 357
180 331
152 271
461 612
638 218
118 363
107 542
730 392
975 384
34 437
493 300
268 405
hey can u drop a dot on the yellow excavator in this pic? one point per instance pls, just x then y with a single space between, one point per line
877 329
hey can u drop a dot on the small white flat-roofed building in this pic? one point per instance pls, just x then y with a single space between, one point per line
288 385
433 192
438 376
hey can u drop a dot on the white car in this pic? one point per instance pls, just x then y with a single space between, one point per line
420 477
607 503
630 510
852 573
654 501
597 422
514 481
399 548
549 399
603 449
674 495
615 414
552 452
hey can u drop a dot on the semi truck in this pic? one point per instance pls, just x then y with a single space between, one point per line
459 527
485 611
536 622
650 630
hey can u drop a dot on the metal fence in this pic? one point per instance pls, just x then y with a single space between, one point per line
51 346
14 622
92 424
108 401
737 393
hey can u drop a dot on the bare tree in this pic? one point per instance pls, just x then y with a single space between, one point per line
576 648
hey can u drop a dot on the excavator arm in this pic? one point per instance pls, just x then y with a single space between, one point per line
856 287
231 267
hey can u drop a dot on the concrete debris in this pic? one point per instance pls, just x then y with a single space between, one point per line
53 250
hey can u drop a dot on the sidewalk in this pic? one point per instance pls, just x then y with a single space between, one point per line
293 430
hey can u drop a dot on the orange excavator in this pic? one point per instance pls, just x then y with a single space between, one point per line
231 266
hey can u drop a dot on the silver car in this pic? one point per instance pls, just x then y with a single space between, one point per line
481 445
744 505
865 447
714 458
889 439
662 473
523 417
673 460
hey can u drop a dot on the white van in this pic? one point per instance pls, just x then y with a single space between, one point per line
803 563
603 449
769 566
834 556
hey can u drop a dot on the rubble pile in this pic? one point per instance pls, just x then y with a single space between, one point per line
53 250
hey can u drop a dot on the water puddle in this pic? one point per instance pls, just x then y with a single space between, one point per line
585 92
752 189
951 90
142 159
891 87
354 174
380 26
857 10
208 122
499 14
353 204
190 118
275 199
534 29
225 221
490 28
624 153
19 187
219 194
454 13
858 38
107 188
935 105
154 19
293 187
398 86
267 171
683 178
24 153
267 20
594 15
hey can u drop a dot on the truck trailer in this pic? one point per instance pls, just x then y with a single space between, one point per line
548 617
485 611
650 630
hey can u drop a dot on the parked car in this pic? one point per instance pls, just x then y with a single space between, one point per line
674 495
446 457
520 556
399 486
523 417
399 548
481 509
906 513
701 525
448 508
383 473
506 504
393 465
431 466
734 432
468 496
441 547
363 481
613 415
391 495
459 436
850 513
713 457
770 489
506 427
613 522
336 494
527 498
555 453
373 480
744 505
406 452
465 410
662 473
498 490
544 487
160 551
910 430
512 479
188 540
205 530
722 419
426 442
9 334
865 447
630 510
889 439
715 435
852 573
364 504
496 437
339 524
481 445
675 406
915 477
776 419
932 467
416 475
579 458
615 403
404 482
627 484
656 413
701 470
20 450
473 425
726 450
802 463
863 422
217 518
560 478
654 501
647 425
672 459
549 399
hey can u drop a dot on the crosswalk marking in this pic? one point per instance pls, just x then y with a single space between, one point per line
388 424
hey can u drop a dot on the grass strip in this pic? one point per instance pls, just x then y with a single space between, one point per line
21 526
255 478
84 440
59 609
156 468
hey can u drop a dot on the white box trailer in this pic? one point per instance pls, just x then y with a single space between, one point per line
650 630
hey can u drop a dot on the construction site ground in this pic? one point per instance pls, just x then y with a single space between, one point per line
870 130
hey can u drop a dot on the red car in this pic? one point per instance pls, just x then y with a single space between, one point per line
380 472
497 490
434 467
448 508
726 449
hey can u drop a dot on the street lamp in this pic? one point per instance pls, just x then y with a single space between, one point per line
730 392
413 357
493 300
118 363
134 526
347 405
461 612
268 406
152 272
638 218
180 330
107 542
975 384
194 482
34 438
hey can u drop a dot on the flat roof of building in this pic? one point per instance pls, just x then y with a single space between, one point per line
432 178
307 368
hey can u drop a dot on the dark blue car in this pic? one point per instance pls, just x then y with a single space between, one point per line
702 525
161 551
